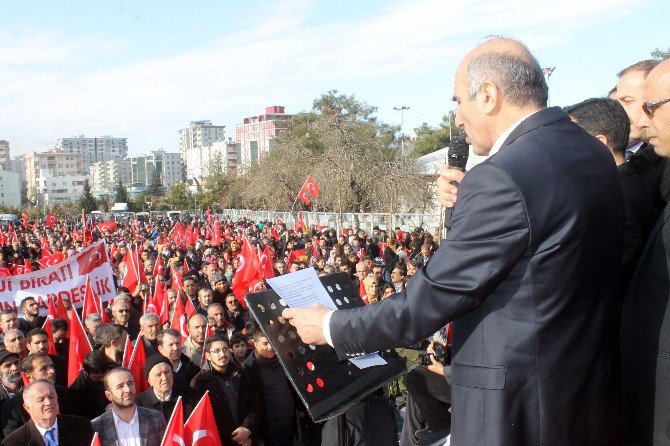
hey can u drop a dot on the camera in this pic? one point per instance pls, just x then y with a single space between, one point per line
441 353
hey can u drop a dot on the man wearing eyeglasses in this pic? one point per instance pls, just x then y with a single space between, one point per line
650 167
645 326
235 402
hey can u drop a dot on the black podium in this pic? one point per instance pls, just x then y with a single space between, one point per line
327 386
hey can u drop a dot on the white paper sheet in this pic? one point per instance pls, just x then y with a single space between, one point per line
302 289
363 362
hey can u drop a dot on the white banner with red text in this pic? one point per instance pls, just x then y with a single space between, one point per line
66 280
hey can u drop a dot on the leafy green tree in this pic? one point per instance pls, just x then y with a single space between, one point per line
431 139
87 201
661 54
179 196
122 196
155 188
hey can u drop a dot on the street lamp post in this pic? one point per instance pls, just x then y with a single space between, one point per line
402 121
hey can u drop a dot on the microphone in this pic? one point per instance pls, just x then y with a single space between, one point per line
457 158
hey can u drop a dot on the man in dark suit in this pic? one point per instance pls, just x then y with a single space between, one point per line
36 366
126 422
528 273
46 427
645 325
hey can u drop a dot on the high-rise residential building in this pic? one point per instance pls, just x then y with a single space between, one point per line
59 164
192 140
94 150
4 154
168 165
204 161
10 189
255 136
105 175
54 189
18 165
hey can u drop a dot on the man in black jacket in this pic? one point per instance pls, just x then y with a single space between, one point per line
277 427
236 405
88 390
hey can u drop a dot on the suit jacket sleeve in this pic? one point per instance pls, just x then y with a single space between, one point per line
490 232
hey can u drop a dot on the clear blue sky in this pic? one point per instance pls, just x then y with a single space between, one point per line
143 70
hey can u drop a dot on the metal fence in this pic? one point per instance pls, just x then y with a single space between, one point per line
365 221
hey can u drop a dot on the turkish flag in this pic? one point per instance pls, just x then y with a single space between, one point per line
297 255
48 260
177 279
303 196
179 319
266 270
311 186
92 258
50 335
24 217
131 277
79 348
247 271
300 224
96 439
51 220
209 216
174 433
5 272
200 428
108 226
92 304
161 301
127 352
136 365
189 309
56 309
159 268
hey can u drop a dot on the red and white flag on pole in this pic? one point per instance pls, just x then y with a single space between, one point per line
136 365
92 304
200 428
79 348
127 352
309 188
174 433
96 439
179 319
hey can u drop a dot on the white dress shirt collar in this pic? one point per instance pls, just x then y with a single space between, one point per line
159 397
501 139
43 431
128 434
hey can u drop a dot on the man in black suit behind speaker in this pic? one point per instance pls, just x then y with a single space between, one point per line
528 273
46 426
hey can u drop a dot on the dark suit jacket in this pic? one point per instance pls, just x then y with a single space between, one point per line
645 343
529 274
152 427
14 416
248 406
72 431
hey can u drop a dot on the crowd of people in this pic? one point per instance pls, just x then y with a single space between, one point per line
252 400
532 285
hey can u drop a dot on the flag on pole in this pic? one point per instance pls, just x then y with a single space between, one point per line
79 348
136 365
548 71
200 428
174 433
96 439
309 188
179 319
